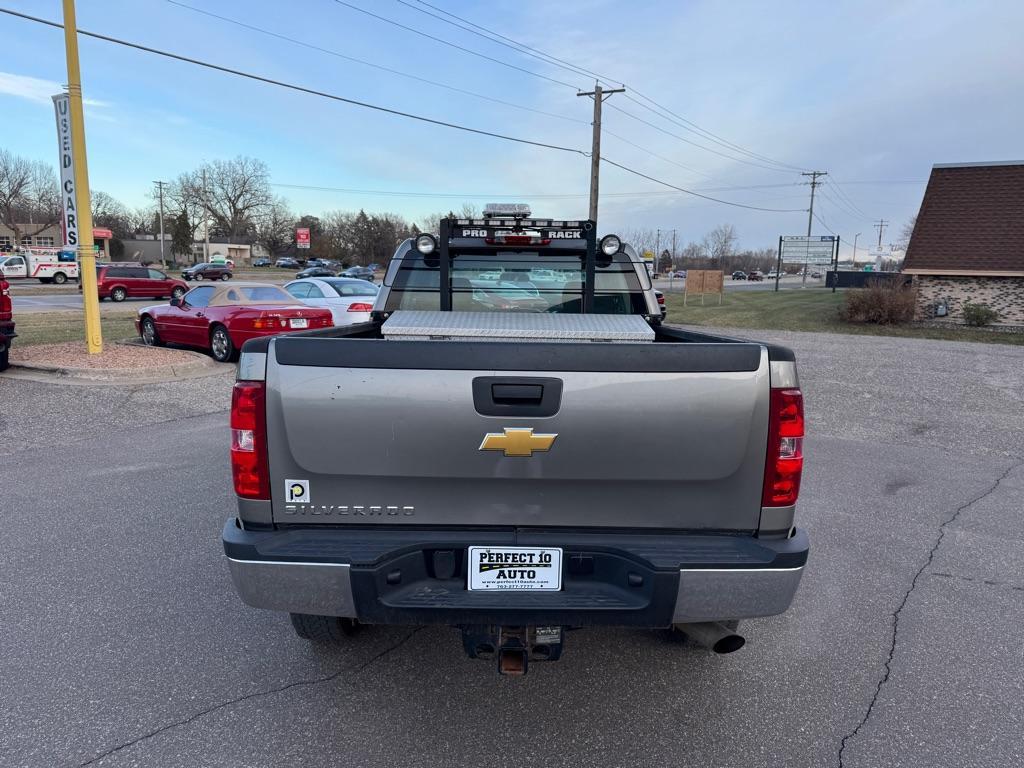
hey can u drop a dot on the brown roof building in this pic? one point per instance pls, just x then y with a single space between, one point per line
968 242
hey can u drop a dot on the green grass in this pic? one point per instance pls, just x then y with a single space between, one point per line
811 309
50 327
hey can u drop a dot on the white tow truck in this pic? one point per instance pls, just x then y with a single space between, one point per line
47 265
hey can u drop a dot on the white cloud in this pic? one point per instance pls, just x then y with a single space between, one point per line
36 89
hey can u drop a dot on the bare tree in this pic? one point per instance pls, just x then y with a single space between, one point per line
907 231
272 227
29 195
184 198
720 243
238 191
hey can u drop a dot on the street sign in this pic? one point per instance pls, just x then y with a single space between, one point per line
800 249
302 237
69 220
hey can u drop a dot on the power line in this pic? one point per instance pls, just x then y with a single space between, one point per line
453 45
689 125
521 195
692 127
299 88
381 67
469 27
695 144
654 154
841 206
698 194
842 193
569 66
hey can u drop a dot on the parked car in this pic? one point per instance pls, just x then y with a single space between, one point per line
360 273
314 272
661 303
679 273
349 300
286 262
816 275
220 318
7 333
739 275
262 262
756 276
772 275
207 272
118 282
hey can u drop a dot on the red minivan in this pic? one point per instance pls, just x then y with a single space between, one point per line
120 281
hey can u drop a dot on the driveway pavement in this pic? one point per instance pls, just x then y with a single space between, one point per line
122 642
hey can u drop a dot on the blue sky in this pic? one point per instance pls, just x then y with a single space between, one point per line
869 91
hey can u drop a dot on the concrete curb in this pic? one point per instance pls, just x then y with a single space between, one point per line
199 365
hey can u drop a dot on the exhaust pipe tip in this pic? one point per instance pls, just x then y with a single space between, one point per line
729 644
714 636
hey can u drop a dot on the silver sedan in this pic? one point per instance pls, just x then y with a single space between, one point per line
349 300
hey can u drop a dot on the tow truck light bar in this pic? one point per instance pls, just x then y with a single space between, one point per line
514 210
534 223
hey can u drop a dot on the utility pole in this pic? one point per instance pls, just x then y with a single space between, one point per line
880 226
86 255
160 187
599 95
657 253
810 211
206 223
855 250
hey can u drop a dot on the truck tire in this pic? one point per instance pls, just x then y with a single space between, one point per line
60 278
323 629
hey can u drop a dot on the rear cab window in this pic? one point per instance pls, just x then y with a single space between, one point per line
503 280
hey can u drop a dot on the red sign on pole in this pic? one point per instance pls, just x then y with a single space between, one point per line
302 237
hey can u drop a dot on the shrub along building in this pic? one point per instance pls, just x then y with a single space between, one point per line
968 243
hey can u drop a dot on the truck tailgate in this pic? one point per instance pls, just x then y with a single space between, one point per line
664 435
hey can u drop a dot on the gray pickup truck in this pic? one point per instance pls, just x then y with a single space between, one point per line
515 446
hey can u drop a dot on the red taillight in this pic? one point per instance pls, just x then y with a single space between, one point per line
360 306
785 460
661 298
6 310
249 465
501 238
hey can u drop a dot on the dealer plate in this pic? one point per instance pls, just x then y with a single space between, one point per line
515 568
299 322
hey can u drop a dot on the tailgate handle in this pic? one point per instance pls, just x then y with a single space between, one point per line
517 395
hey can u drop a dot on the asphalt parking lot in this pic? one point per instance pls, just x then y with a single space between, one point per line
122 642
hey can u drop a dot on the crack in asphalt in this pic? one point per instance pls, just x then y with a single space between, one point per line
986 582
903 603
257 694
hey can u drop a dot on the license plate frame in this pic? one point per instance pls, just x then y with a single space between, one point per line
298 322
514 569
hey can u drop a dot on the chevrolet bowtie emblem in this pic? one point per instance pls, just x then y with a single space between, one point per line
517 442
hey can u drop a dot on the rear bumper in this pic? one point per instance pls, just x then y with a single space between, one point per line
410 576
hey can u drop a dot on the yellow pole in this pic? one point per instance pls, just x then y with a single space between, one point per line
86 256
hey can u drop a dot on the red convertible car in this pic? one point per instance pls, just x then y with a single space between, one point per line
220 318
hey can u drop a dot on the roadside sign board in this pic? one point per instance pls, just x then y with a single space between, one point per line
701 281
800 249
302 237
69 220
